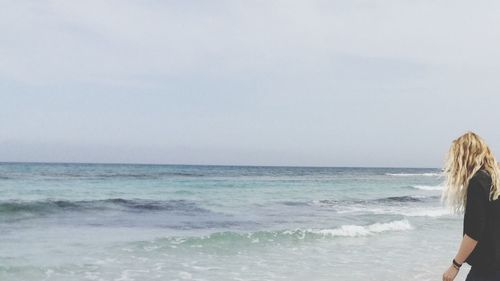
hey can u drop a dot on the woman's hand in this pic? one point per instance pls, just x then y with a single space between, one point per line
450 274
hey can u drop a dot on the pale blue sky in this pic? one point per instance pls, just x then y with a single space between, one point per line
321 83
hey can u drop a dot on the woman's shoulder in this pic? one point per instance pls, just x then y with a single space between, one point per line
482 175
480 182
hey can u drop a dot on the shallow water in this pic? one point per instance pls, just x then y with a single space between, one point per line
162 222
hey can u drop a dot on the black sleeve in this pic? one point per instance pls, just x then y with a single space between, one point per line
475 210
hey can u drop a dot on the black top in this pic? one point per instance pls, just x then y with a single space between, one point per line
482 223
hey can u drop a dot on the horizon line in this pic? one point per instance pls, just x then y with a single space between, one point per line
209 165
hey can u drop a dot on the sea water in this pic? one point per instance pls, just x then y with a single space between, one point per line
167 222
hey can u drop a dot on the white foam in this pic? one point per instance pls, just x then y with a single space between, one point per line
302 234
428 213
414 175
420 212
358 230
428 187
185 275
399 210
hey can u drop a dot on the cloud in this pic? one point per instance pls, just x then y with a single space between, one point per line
53 41
330 79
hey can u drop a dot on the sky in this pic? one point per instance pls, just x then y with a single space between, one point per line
386 83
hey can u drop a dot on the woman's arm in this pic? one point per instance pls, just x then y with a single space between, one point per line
466 247
474 225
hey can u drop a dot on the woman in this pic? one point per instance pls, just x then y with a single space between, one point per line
473 186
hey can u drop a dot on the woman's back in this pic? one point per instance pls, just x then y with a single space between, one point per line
472 179
482 223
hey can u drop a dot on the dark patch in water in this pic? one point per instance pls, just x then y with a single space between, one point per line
399 199
118 204
295 203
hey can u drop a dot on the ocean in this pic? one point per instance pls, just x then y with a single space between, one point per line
178 222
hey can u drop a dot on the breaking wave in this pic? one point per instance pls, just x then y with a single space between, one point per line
229 237
427 187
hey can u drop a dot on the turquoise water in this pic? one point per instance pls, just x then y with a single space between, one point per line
165 222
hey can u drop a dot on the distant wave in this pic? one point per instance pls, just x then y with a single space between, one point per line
137 205
408 212
407 206
405 198
427 213
111 175
414 174
229 237
383 200
427 187
401 210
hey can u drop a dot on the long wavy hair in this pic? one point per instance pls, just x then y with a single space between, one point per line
467 154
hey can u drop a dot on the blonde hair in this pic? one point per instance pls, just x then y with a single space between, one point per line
468 154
